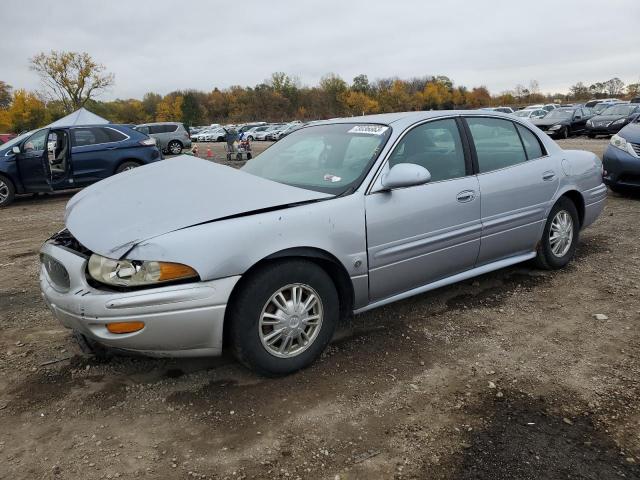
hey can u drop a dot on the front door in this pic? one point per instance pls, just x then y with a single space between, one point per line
420 234
33 162
518 181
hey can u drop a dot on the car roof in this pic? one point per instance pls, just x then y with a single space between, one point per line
158 123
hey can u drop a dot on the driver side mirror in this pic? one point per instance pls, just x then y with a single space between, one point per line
15 150
405 175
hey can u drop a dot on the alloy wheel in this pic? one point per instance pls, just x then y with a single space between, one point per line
290 320
561 233
4 191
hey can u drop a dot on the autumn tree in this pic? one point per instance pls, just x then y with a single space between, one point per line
26 112
170 109
71 77
5 94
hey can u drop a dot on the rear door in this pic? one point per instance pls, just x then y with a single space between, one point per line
420 234
518 181
94 154
33 162
579 120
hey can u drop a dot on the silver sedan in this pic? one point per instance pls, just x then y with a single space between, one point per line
335 219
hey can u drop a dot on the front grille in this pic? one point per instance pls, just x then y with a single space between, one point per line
56 271
636 148
65 239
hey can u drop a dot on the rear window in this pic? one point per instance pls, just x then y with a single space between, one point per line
95 135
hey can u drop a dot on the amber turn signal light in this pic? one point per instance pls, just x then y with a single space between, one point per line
125 327
175 271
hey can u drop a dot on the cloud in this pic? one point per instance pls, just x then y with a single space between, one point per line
163 46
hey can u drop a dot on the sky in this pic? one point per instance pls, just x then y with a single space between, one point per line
162 46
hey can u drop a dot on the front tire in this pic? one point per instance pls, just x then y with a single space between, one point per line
283 316
175 147
7 191
565 133
560 236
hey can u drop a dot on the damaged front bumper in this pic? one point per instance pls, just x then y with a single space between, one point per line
183 320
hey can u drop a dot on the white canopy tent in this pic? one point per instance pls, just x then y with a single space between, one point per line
81 116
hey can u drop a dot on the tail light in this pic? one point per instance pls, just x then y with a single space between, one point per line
148 142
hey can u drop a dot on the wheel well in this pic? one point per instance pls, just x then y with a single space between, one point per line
324 260
578 201
134 160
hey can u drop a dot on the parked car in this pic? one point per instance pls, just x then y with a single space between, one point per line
549 106
214 135
262 135
612 119
284 131
564 122
531 114
50 159
172 137
621 161
337 218
5 137
252 132
499 109
635 100
594 102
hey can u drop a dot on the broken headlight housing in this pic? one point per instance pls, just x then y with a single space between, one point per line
137 273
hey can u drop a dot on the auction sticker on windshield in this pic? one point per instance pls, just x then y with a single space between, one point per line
369 129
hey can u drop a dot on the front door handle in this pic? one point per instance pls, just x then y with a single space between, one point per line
548 175
466 196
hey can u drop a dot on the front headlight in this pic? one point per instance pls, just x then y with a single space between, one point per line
556 127
619 121
134 273
621 143
590 123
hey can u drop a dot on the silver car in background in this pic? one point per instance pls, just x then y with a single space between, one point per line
171 137
336 218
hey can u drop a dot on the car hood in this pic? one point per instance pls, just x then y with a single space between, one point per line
607 118
631 132
113 215
547 122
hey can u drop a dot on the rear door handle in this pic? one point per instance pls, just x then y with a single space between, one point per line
548 175
466 196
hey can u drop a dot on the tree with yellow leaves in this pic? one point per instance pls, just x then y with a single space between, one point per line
26 112
71 77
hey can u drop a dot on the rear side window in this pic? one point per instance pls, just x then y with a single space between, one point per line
497 143
531 143
95 135
435 146
164 128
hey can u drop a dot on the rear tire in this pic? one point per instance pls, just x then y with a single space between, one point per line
174 147
560 237
128 165
7 191
258 328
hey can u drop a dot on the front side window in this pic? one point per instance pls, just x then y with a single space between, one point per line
326 158
436 146
36 142
497 143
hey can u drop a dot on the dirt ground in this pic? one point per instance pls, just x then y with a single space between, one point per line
506 376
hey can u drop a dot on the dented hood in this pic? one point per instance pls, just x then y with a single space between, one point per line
111 216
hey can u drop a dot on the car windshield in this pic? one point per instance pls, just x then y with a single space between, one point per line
326 158
17 140
618 110
523 113
560 113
